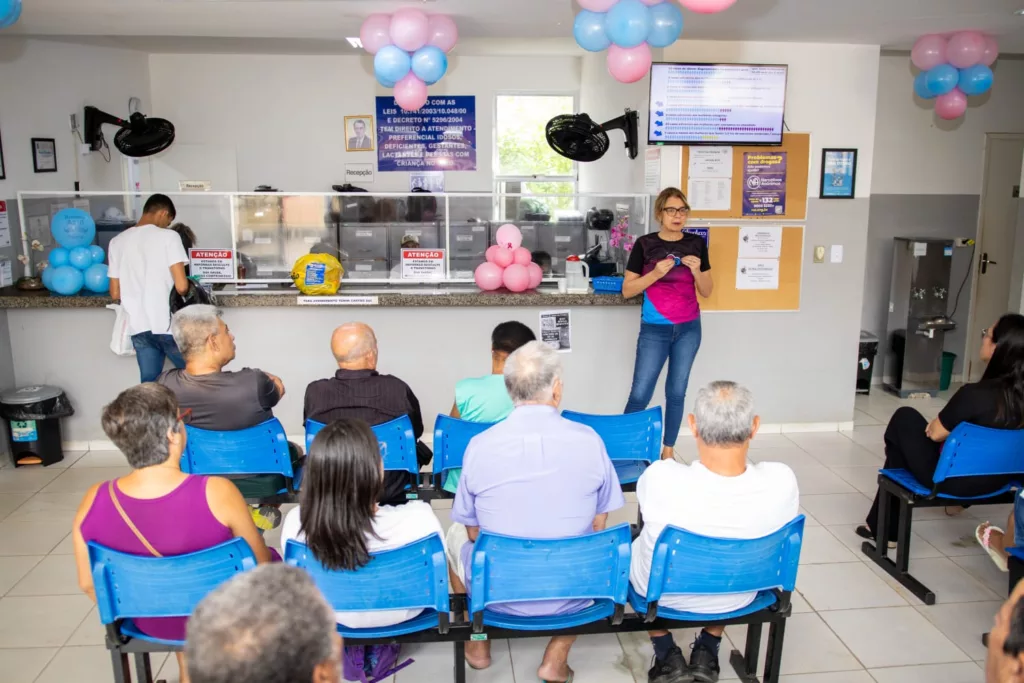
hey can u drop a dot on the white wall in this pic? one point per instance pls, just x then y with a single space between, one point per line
284 114
42 83
917 153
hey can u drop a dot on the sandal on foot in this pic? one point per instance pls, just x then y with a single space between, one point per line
983 534
864 532
568 680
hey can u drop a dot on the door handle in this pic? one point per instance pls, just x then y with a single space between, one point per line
985 262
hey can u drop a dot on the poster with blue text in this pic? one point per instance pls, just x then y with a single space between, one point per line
439 137
764 184
839 170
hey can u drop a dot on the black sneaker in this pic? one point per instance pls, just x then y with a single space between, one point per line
672 670
704 664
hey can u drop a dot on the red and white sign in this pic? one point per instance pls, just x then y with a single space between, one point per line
212 265
5 226
423 264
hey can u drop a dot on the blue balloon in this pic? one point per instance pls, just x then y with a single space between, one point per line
628 23
96 279
67 280
976 80
96 251
921 87
666 24
430 64
58 257
80 257
48 277
391 64
589 30
942 79
73 228
386 83
10 12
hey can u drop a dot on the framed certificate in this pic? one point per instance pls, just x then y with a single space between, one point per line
838 173
44 155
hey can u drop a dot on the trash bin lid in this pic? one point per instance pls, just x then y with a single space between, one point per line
33 394
867 337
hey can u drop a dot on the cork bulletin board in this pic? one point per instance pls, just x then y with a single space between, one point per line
723 252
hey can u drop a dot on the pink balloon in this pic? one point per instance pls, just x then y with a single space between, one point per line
516 278
536 275
629 64
991 51
410 29
707 6
952 105
490 253
965 49
597 5
410 93
929 52
443 32
508 236
503 258
375 32
522 256
487 277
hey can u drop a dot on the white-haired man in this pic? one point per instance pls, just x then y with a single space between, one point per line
534 475
720 495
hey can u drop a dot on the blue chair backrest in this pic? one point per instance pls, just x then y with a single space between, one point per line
414 576
451 437
635 437
262 449
971 451
396 440
131 586
508 569
685 563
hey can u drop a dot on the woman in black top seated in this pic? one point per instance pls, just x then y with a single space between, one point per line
913 443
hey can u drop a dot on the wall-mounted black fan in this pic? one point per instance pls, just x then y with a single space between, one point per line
578 137
139 136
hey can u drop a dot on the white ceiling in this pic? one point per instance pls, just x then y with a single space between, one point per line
323 23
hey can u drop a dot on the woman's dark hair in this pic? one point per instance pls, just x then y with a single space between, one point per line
507 337
340 487
1007 368
188 238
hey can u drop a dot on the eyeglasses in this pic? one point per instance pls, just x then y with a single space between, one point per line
674 211
984 333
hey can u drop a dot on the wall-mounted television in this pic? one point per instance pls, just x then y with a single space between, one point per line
717 104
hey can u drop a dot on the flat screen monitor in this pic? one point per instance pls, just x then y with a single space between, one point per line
717 104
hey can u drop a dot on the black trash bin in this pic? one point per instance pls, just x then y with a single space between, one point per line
866 361
33 420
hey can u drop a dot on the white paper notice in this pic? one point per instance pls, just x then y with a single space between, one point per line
709 194
556 330
711 162
920 248
760 242
5 226
652 170
6 276
754 273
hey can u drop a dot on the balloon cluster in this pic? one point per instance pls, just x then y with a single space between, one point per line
952 69
508 263
77 262
10 12
409 49
628 29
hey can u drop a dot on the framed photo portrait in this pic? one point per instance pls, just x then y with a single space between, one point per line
359 132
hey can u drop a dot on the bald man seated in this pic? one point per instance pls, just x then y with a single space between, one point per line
357 390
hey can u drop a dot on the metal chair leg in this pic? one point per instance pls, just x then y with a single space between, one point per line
878 552
460 661
143 668
773 656
745 663
119 660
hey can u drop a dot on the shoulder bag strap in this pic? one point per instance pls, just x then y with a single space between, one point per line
128 521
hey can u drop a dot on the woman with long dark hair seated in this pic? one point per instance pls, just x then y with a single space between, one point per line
913 443
338 517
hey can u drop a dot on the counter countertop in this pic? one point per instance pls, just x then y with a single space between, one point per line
14 298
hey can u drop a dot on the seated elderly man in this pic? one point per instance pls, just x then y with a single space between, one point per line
358 391
535 475
268 625
220 400
720 495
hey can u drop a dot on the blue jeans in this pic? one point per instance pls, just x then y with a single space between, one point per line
1018 519
678 344
151 350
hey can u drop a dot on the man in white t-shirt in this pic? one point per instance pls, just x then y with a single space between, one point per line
721 495
145 263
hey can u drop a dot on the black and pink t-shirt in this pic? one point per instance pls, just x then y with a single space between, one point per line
672 299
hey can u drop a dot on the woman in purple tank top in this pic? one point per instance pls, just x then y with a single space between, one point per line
157 509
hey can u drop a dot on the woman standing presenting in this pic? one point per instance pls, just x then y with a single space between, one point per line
669 268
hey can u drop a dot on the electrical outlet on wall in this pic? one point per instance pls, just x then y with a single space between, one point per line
819 253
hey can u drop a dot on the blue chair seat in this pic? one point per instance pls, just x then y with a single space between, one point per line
908 481
422 622
763 601
1017 552
128 628
601 609
629 472
633 441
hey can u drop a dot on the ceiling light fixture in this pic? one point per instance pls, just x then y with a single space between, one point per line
1019 13
355 42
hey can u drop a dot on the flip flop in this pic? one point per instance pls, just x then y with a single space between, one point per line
984 537
568 680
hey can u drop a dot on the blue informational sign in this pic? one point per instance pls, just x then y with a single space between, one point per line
699 232
24 432
837 177
439 137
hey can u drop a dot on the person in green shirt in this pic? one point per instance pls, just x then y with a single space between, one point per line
485 399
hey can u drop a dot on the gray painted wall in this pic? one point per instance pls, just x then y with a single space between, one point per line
940 216
6 382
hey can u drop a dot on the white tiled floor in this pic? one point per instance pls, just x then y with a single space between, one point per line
852 623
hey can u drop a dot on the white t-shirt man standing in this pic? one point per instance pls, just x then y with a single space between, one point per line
146 261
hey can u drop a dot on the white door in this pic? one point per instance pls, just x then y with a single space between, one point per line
993 255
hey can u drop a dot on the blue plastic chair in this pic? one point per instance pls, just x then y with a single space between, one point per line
509 570
262 449
633 441
687 564
451 438
414 576
396 440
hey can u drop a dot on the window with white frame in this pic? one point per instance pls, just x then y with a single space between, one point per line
523 161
